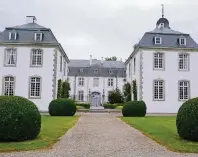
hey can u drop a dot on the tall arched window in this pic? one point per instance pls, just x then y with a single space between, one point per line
35 87
9 85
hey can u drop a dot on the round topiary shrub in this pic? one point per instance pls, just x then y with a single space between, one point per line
134 109
20 119
62 107
187 120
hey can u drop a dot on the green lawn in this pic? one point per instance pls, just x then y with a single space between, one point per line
162 130
119 107
52 128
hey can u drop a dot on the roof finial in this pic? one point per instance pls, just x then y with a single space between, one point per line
162 10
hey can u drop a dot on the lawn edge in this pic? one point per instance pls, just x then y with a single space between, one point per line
155 140
49 147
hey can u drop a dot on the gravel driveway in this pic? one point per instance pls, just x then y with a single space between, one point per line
102 135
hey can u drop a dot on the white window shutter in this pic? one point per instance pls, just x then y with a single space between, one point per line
15 36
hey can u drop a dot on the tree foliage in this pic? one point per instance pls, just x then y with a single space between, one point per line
59 92
114 58
127 92
134 88
115 96
63 89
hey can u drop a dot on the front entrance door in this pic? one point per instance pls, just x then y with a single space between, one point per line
95 99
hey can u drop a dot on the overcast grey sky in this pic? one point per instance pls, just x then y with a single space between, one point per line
102 28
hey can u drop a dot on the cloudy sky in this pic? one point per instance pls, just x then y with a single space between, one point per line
102 28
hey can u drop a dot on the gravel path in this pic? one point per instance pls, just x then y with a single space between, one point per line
102 135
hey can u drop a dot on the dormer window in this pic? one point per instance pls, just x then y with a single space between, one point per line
96 71
110 72
38 36
12 35
182 41
81 70
162 25
158 40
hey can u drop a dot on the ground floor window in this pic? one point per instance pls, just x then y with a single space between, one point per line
80 96
35 87
158 90
9 85
184 90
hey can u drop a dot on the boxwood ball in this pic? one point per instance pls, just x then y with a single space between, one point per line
187 120
19 119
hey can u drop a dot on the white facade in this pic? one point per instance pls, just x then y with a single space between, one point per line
170 75
23 71
100 85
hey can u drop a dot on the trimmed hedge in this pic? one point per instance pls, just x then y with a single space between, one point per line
134 109
62 107
86 106
187 120
20 119
110 106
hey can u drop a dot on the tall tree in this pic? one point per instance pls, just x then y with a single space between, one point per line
114 58
65 89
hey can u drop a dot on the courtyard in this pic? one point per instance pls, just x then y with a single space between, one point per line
105 135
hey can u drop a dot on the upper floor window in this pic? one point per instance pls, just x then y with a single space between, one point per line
80 95
61 63
36 57
184 90
64 70
9 85
12 35
158 60
182 41
95 82
35 87
183 61
38 36
81 81
134 64
96 71
10 57
110 82
158 92
158 40
129 69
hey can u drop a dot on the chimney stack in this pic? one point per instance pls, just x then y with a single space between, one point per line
102 60
30 19
90 62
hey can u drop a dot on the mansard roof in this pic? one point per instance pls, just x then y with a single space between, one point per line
25 35
105 69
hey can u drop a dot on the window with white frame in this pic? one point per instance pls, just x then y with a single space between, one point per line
95 82
110 82
134 64
184 61
129 69
158 92
158 40
81 70
184 90
81 81
38 36
61 62
9 85
35 87
64 68
158 60
36 57
12 35
80 95
10 57
96 71
182 41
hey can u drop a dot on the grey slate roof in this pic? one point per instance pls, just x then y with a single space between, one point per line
107 69
25 34
170 38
